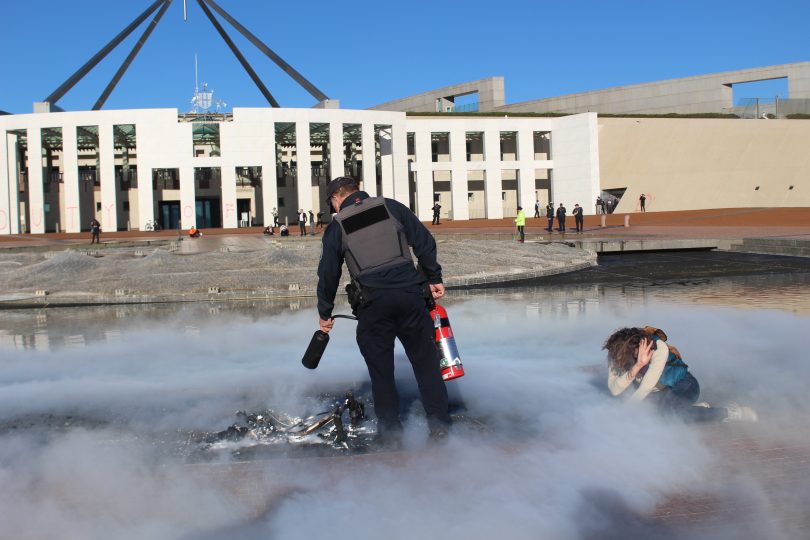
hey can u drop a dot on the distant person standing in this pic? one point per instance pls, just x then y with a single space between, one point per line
436 209
642 202
302 222
275 217
610 206
311 223
520 223
537 209
550 216
95 231
319 224
561 211
579 220
600 205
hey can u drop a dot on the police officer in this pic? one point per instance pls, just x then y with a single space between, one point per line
372 234
520 223
550 216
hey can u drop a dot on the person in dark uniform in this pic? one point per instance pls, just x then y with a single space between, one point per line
561 211
373 235
643 202
436 210
536 209
95 231
550 216
579 220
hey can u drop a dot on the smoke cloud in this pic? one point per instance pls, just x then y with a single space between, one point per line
545 453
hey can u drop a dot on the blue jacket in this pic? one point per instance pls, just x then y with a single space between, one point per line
330 267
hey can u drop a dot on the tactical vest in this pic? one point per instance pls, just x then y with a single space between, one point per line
373 239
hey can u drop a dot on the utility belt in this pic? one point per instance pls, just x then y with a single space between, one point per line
359 295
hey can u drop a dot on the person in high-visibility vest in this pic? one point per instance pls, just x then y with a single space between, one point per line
520 222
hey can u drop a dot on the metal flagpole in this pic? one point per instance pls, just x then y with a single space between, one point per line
133 53
300 79
242 60
99 56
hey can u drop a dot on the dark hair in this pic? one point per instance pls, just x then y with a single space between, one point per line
622 347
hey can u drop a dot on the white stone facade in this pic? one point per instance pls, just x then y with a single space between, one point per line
477 167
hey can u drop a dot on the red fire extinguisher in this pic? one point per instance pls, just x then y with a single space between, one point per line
450 363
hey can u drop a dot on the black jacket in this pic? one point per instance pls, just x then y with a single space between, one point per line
330 267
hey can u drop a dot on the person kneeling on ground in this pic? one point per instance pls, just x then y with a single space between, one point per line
194 232
269 230
284 230
642 357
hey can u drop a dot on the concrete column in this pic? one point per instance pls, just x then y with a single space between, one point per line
369 165
492 183
424 175
6 157
72 217
526 170
188 201
387 162
230 217
15 165
304 178
336 158
35 221
146 197
268 163
458 179
400 163
106 172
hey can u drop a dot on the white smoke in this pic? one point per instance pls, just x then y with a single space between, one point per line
557 458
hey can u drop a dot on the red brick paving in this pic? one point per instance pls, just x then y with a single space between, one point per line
715 223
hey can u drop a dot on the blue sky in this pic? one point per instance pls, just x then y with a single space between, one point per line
365 53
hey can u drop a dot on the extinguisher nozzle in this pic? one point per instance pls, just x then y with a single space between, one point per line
317 346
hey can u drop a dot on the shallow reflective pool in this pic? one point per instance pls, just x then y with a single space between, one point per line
97 406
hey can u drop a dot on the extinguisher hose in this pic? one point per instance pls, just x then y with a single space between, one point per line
317 345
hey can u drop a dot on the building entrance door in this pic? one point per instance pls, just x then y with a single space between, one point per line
169 214
208 213
243 214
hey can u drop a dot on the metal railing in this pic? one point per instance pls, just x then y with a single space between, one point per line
769 108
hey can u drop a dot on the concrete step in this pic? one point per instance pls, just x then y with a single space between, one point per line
789 247
781 242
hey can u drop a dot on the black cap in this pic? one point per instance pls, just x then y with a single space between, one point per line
338 183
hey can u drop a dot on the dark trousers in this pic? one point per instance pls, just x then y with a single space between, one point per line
550 224
435 219
400 313
536 212
95 238
561 223
521 232
580 221
303 226
679 400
